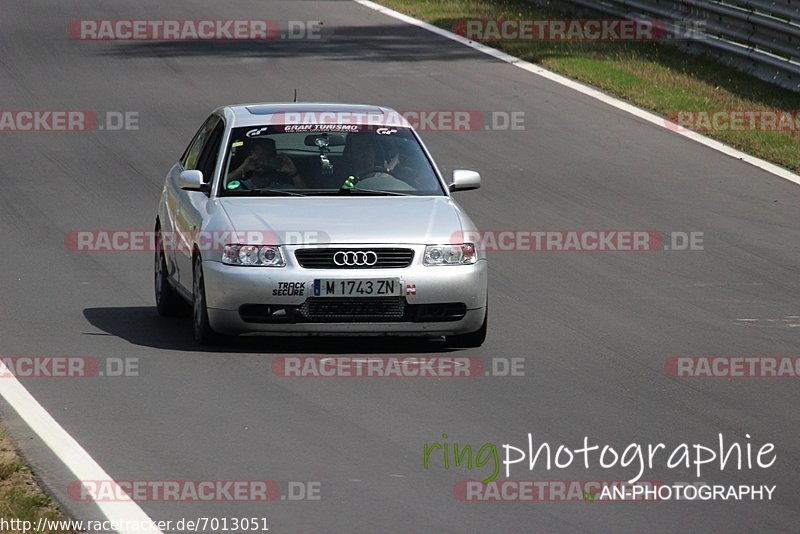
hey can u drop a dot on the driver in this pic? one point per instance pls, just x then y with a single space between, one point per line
361 153
366 167
264 168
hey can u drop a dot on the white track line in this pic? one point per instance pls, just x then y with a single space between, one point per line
71 454
590 91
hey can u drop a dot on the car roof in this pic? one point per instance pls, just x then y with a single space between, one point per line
256 114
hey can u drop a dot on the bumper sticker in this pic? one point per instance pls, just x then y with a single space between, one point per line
290 289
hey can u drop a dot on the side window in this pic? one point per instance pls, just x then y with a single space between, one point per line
210 153
191 157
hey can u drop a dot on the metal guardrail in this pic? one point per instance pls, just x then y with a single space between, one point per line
761 37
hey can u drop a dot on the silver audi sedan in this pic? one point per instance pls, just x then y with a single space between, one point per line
317 219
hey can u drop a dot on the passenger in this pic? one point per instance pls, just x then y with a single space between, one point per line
365 165
264 168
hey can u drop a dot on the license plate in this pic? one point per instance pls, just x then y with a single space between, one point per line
365 287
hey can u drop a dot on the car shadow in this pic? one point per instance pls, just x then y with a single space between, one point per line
141 325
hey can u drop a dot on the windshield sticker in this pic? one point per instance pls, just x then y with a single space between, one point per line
321 128
325 128
237 144
258 131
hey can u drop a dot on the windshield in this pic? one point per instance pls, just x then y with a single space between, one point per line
303 160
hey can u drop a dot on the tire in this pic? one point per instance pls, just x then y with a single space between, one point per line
168 302
471 340
203 333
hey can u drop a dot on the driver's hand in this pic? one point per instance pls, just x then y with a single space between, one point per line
287 165
250 164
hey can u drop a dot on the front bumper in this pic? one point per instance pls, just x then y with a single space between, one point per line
235 295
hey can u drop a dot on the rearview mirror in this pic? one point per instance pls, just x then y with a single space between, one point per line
191 180
465 180
324 140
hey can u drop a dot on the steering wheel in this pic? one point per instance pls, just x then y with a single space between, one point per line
376 170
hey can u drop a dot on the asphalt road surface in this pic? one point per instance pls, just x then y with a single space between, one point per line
594 329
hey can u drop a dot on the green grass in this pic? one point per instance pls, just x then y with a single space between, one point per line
20 496
654 76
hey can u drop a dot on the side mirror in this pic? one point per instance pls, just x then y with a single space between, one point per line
465 180
191 180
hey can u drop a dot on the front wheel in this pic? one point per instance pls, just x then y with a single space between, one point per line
203 333
168 302
473 339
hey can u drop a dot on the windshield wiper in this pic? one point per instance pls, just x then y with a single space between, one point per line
351 190
274 191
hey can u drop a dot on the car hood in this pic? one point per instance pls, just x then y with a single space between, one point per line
374 220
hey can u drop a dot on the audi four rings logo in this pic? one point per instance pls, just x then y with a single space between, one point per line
353 258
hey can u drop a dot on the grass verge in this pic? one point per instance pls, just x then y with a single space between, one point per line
654 76
20 496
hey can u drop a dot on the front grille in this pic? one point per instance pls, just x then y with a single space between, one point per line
322 258
347 309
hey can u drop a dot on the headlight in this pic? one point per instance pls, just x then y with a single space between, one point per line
253 255
450 254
